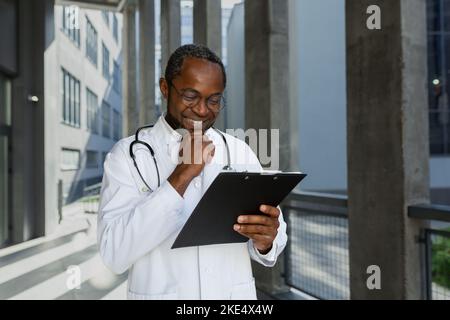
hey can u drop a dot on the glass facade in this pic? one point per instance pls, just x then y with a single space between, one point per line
438 25
5 128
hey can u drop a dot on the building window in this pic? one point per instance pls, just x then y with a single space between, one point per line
117 81
117 125
115 29
105 15
70 25
92 111
438 18
106 120
70 159
105 62
91 42
70 99
91 159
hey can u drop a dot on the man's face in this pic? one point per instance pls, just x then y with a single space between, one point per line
197 77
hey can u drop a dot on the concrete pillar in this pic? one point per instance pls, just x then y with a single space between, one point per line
50 119
387 141
267 95
170 30
130 111
147 114
208 31
33 198
208 24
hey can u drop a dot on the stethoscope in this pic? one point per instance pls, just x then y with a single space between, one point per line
152 153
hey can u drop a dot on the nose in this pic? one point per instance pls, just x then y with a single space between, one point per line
201 109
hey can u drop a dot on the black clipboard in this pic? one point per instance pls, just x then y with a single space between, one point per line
232 194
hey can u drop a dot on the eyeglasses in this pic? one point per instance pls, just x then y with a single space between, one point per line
192 98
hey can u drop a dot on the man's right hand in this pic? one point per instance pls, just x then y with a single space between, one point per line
195 151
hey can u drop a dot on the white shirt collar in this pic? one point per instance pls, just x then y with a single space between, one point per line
169 131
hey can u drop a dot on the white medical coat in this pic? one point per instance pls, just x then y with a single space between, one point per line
137 226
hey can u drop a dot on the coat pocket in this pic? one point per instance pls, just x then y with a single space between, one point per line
244 291
163 296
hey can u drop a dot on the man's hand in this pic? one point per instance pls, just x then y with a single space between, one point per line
196 150
262 229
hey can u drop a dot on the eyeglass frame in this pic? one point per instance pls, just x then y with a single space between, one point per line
181 94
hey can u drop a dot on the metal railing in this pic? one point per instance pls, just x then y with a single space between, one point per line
91 196
435 240
317 257
317 254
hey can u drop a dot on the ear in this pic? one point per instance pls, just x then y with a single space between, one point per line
164 87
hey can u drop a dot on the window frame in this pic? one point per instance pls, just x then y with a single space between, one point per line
72 34
90 38
63 166
106 66
92 110
106 120
89 165
70 99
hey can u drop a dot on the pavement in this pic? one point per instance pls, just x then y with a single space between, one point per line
63 266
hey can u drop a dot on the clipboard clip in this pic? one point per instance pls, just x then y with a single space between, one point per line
270 172
228 168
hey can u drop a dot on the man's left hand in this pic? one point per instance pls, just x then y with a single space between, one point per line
262 229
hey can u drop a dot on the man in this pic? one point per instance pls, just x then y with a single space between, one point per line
139 220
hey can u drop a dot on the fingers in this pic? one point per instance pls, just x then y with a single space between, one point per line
259 219
261 241
258 238
251 229
271 211
262 229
